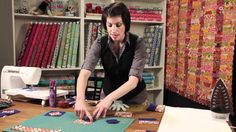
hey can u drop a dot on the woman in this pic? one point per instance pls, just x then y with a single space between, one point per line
123 57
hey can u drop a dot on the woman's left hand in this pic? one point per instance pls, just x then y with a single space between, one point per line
102 107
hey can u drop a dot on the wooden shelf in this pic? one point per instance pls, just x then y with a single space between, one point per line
154 89
151 1
97 17
153 67
147 22
60 69
46 16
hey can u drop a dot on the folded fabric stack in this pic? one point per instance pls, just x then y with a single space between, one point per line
4 103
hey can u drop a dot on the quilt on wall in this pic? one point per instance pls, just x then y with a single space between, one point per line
200 46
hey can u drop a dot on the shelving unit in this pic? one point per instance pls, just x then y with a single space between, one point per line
19 26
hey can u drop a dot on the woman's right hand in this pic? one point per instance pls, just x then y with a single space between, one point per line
81 110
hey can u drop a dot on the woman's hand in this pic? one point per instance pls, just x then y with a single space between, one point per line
102 107
81 110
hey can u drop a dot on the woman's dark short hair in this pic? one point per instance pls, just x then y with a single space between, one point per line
117 9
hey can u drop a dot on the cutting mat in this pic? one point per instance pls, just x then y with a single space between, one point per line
65 123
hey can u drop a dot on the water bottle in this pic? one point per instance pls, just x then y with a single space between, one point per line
52 93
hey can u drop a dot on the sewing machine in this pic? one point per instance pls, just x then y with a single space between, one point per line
20 80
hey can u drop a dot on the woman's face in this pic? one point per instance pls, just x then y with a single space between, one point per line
116 28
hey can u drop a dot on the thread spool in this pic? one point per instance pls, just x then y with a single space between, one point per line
52 93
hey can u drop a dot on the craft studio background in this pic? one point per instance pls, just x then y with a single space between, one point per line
118 65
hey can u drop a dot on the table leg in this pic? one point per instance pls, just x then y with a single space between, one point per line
43 103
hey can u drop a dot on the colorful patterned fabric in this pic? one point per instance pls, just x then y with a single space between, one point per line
63 42
55 36
40 45
67 46
49 44
32 47
57 48
44 45
200 46
76 45
36 44
28 45
71 45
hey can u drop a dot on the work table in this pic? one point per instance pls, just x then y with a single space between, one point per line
29 110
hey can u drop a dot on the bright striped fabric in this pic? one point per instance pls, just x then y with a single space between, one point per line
200 47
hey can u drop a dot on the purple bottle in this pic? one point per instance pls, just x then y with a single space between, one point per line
52 93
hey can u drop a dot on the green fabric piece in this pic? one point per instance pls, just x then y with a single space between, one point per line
66 123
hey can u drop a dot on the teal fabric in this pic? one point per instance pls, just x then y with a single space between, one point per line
66 123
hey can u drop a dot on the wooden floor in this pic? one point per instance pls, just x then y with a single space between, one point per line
29 110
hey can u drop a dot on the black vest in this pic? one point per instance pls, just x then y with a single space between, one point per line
117 74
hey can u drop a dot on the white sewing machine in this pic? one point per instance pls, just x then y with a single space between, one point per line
14 82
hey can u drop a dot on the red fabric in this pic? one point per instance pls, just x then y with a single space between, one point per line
36 45
26 54
49 45
27 63
44 46
25 43
53 45
40 45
